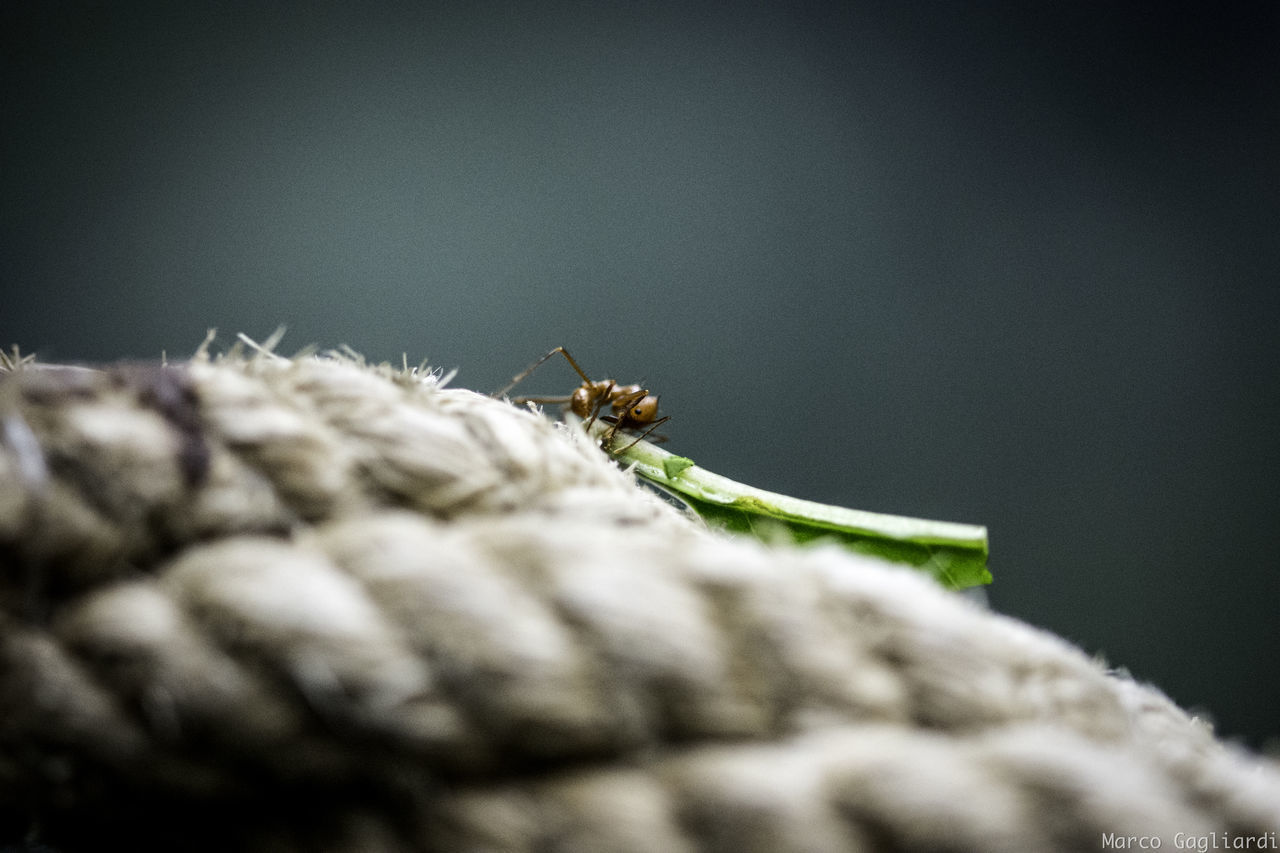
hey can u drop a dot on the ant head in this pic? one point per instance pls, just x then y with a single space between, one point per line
644 411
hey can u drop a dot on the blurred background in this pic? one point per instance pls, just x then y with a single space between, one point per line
988 262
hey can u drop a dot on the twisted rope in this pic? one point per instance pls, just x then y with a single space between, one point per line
312 604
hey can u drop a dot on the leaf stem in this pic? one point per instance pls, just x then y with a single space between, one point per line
955 554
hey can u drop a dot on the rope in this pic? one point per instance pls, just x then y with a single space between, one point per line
267 603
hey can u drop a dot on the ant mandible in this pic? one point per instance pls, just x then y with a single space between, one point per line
634 408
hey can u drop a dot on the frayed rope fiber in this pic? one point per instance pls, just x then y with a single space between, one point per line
270 604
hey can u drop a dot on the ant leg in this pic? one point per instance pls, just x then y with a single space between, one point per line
659 422
600 401
607 438
620 406
564 352
656 437
522 375
541 401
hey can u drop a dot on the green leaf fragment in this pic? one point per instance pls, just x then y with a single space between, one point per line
673 465
954 554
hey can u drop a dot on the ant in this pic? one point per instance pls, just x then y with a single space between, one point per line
634 408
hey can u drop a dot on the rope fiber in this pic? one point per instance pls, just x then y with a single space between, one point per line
272 604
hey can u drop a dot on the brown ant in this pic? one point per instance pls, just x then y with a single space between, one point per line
634 408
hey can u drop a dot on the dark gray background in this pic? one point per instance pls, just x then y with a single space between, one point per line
984 262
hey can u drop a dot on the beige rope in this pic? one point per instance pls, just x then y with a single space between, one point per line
275 604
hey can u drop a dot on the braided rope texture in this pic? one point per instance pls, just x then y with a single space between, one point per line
274 604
